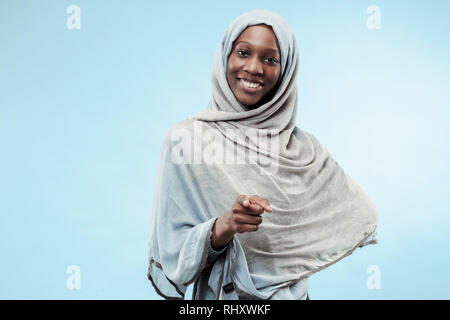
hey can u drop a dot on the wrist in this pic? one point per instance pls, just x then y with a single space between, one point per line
221 234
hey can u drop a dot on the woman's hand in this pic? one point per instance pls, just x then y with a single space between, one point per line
244 216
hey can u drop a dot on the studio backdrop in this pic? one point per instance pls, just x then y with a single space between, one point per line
88 90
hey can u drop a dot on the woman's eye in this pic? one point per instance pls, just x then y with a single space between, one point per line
272 60
239 52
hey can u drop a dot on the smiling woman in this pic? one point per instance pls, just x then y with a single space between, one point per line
254 67
303 215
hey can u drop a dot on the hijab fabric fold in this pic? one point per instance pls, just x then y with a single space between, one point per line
320 214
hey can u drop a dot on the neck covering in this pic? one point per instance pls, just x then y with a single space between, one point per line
320 214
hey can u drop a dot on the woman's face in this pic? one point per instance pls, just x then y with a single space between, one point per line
254 65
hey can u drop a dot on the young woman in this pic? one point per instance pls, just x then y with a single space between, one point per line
247 205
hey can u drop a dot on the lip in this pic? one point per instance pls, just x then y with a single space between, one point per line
247 89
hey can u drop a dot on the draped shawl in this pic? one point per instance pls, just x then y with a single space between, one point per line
320 214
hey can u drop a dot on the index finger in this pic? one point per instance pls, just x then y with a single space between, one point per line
262 202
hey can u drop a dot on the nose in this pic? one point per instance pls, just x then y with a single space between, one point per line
253 65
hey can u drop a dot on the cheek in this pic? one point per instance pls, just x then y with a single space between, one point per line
231 68
275 76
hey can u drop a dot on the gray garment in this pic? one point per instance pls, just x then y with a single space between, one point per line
189 198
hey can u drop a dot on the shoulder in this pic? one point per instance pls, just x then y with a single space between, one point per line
309 140
179 129
184 134
302 134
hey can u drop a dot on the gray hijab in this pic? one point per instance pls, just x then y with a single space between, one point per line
320 214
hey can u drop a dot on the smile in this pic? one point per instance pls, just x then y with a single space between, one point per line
250 86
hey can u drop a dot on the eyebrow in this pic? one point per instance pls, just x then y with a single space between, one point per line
268 49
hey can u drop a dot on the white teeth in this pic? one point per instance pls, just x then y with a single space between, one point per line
250 84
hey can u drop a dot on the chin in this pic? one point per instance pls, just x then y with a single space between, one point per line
249 103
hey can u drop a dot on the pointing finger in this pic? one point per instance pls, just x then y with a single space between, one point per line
264 203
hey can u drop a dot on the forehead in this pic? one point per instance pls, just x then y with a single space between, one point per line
260 36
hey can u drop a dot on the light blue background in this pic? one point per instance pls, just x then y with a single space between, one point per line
83 113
